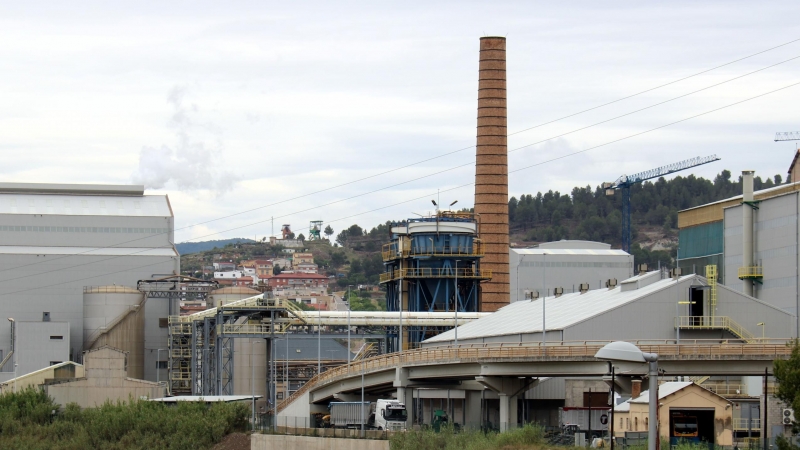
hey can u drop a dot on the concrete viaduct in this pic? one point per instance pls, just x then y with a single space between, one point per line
510 369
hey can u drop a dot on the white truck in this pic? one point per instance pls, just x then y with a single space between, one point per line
385 414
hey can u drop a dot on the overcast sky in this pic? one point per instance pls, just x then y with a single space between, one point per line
235 106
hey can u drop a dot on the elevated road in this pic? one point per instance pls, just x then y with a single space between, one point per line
458 366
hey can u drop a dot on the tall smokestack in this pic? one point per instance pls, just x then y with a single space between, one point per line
491 171
747 228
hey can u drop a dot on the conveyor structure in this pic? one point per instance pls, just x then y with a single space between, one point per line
201 344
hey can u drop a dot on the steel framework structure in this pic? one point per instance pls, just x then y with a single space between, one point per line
175 289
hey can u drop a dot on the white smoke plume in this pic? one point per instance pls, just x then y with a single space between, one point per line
192 164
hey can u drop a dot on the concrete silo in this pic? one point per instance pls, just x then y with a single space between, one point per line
114 316
249 357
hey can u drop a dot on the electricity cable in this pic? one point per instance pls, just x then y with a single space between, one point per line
449 189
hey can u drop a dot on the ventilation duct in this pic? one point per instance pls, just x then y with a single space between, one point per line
584 287
611 283
558 291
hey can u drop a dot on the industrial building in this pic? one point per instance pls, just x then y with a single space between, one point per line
566 265
56 239
433 264
644 307
717 234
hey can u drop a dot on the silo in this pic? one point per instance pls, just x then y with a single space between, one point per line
249 357
114 316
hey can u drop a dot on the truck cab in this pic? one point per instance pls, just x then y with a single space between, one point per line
390 415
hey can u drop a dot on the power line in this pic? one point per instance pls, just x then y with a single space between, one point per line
424 176
464 185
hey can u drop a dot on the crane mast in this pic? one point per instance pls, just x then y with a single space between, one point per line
625 182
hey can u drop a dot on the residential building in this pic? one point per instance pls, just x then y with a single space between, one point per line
302 258
224 266
306 268
298 280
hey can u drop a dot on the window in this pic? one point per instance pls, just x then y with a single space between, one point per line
635 424
56 338
280 396
645 423
162 322
161 364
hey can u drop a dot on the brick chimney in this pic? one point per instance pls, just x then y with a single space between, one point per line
636 388
491 172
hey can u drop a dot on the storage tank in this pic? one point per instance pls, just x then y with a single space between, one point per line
114 316
247 353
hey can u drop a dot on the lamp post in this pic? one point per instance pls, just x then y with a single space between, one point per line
625 351
518 283
763 329
348 326
253 380
544 299
455 327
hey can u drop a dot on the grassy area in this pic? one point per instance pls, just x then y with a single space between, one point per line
527 437
27 422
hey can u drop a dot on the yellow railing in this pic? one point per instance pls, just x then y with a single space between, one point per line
711 276
389 251
751 272
746 424
495 352
483 274
715 323
246 328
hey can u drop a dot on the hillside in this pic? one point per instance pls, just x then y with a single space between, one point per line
585 213
185 248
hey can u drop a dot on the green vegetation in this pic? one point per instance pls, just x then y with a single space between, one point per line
529 436
27 422
787 375
366 303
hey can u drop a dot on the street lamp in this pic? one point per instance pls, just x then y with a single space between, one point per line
455 328
348 326
544 298
253 379
625 351
763 329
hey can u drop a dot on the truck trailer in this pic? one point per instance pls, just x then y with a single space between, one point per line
384 414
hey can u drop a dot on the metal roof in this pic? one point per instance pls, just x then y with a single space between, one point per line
86 251
207 398
570 251
305 349
61 189
664 389
73 204
525 316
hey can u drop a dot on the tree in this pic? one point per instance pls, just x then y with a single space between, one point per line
787 376
291 235
277 270
337 259
328 231
301 237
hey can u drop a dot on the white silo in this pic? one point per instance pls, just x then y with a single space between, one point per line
114 316
249 356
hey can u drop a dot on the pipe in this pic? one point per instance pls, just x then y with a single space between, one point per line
747 228
491 171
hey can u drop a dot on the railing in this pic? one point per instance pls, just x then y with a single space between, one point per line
476 250
751 272
263 329
715 323
725 389
746 424
482 274
586 349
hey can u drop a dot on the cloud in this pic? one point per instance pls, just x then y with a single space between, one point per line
192 163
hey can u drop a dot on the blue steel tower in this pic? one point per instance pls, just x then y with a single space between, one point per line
435 262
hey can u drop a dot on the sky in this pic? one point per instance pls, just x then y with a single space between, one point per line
249 113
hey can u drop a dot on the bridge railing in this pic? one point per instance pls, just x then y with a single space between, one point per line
510 351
